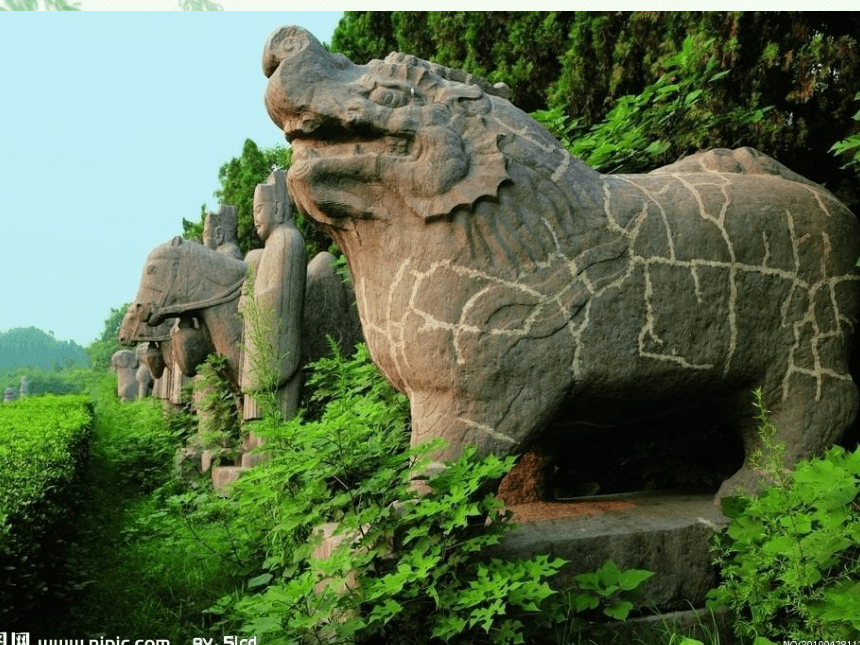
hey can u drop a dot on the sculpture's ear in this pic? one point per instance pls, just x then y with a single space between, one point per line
463 181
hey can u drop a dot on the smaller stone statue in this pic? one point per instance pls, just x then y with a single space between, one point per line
143 375
219 232
124 363
24 392
280 272
9 396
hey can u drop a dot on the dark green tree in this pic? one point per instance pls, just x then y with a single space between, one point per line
101 350
239 177
363 35
518 48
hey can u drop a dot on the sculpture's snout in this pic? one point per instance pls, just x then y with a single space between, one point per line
298 67
128 328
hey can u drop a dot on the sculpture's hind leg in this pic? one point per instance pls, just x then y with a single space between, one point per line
810 413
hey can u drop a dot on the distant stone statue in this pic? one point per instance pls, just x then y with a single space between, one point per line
124 363
219 232
143 374
9 396
199 290
24 392
516 295
279 272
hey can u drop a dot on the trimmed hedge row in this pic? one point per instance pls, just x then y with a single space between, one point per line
44 442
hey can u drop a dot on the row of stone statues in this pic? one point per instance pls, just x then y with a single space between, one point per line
23 392
268 313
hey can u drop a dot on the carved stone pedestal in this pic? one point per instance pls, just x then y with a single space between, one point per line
224 475
668 534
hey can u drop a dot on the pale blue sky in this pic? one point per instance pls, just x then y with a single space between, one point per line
112 128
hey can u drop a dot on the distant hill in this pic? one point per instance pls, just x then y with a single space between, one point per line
29 346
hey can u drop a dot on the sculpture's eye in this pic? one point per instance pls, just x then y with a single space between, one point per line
389 97
150 269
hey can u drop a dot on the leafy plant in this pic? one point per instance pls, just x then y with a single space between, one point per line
138 439
217 408
849 145
402 567
790 559
634 136
149 554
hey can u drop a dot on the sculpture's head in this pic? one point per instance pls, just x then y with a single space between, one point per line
181 277
219 227
272 204
373 140
123 359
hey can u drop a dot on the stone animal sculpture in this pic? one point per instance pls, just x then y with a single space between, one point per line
124 363
188 281
502 284
329 309
143 375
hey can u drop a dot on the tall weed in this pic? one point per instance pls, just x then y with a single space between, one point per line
790 559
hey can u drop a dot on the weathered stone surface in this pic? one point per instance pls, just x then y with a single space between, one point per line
124 363
280 271
185 280
330 310
666 534
219 232
503 285
9 395
182 343
250 457
190 344
143 376
223 476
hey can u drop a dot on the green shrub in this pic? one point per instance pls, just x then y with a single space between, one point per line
633 137
790 559
70 380
849 147
43 446
218 411
410 568
136 437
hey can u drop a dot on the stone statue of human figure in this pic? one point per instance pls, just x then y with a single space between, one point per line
124 363
143 375
9 395
219 232
279 271
24 392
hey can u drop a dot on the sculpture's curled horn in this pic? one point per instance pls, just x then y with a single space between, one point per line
284 43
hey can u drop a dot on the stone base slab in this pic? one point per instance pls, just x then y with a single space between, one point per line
222 476
666 533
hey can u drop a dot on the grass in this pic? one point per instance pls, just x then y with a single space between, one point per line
134 567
